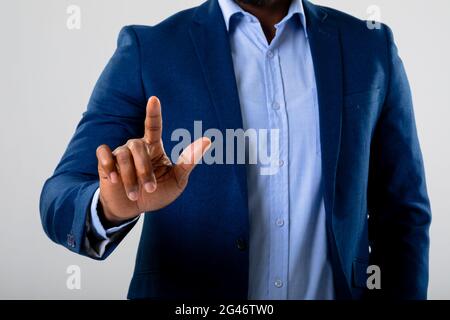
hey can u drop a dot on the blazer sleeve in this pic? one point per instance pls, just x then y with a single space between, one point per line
399 208
115 114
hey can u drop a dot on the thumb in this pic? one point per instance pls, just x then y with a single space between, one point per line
189 158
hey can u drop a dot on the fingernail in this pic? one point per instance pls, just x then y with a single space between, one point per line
149 187
133 196
113 177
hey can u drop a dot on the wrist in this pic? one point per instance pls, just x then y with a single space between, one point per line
107 218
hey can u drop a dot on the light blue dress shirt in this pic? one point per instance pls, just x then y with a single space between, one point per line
277 90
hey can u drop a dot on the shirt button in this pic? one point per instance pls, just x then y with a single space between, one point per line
270 54
275 106
281 163
280 222
278 283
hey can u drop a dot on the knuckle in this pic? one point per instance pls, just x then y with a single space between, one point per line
100 148
134 144
128 178
108 162
154 128
144 172
123 155
104 156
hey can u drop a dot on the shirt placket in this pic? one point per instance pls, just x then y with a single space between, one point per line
279 184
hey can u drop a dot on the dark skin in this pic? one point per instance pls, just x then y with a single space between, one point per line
268 12
139 176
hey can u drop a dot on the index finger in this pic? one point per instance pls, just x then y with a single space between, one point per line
153 121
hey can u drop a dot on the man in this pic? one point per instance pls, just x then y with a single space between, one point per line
349 190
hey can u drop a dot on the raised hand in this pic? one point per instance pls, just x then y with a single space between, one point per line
139 176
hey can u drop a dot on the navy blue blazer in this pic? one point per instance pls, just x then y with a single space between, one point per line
373 177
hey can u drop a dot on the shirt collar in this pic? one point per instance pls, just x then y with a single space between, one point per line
230 8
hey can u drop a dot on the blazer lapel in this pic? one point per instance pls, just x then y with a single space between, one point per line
326 54
324 39
211 42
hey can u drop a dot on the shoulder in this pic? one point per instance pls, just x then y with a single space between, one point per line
355 29
362 41
170 28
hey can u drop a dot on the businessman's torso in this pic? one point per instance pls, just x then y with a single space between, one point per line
199 243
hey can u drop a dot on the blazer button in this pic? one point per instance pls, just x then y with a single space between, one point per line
241 245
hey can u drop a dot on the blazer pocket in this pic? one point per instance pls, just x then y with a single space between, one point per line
359 273
362 98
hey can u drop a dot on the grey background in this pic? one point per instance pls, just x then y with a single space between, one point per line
47 73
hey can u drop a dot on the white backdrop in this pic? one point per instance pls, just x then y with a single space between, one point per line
47 73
